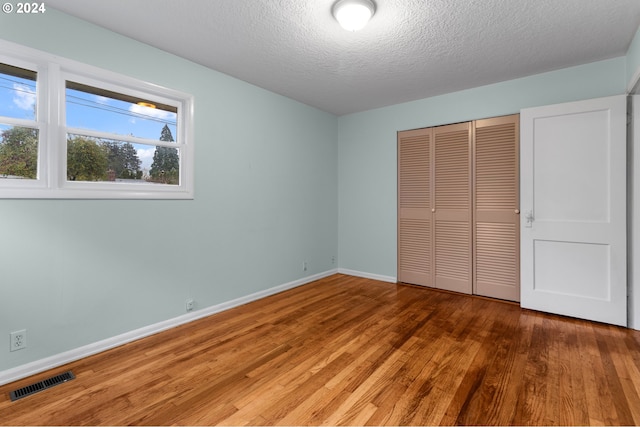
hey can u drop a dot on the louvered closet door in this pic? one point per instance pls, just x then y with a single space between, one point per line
452 208
414 207
496 204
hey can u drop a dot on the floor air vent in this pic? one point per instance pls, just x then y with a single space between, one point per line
41 385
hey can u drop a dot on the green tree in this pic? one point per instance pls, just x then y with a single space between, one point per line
123 159
19 152
166 162
165 134
130 160
86 160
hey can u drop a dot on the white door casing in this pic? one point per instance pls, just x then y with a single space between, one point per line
573 204
633 199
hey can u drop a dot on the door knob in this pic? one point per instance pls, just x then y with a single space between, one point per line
517 211
433 210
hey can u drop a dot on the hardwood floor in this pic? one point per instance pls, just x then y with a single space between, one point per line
346 350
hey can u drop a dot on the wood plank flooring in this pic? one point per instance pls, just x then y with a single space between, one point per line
352 351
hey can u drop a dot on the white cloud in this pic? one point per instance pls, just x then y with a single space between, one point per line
152 112
101 99
25 97
146 156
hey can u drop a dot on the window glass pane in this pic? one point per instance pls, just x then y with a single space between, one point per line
97 109
18 152
17 92
95 159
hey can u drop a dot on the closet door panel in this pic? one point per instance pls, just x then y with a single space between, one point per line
496 205
452 208
414 207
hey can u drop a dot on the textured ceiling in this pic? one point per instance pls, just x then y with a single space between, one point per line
411 49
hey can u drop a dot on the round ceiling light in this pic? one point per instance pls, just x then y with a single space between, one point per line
353 15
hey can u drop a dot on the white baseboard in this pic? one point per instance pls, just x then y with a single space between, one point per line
60 359
367 275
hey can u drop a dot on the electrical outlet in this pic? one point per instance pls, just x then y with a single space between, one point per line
18 340
190 304
304 266
333 260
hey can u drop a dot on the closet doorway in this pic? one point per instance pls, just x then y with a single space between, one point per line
458 207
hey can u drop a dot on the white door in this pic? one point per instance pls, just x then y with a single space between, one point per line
573 209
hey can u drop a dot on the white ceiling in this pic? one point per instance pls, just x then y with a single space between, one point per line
411 49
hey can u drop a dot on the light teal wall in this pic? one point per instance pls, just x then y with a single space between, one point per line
367 149
73 272
633 59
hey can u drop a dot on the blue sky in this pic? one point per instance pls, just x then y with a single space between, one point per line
17 97
89 111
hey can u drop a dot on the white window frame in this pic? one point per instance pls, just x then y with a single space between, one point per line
51 182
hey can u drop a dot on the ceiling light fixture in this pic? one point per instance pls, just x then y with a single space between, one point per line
353 15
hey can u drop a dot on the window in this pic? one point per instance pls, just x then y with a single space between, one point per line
68 130
118 138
